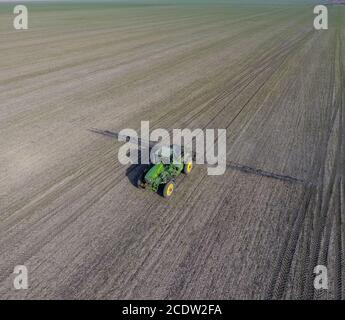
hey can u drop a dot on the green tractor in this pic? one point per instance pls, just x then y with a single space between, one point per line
168 164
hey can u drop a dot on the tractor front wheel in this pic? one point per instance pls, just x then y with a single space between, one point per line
187 169
168 189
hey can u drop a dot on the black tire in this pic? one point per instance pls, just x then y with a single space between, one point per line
188 167
169 189
141 178
140 181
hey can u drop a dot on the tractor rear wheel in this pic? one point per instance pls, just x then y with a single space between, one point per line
140 182
141 178
168 189
187 169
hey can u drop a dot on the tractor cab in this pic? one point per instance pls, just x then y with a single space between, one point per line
168 155
162 155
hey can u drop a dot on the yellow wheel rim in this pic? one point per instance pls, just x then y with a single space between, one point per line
189 167
170 189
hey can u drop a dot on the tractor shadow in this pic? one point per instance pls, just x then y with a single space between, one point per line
132 173
135 171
